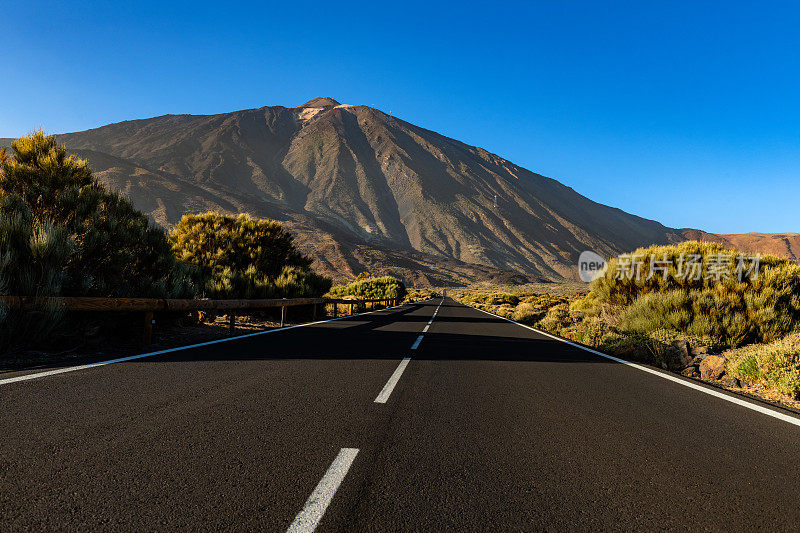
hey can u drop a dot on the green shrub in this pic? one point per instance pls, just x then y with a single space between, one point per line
63 234
654 311
589 304
775 365
732 311
556 319
634 347
371 288
416 295
296 282
592 331
527 313
244 257
502 298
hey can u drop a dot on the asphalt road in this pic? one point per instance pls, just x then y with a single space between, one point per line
484 426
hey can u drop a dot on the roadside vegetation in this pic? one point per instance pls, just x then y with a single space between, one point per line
367 286
525 307
64 234
739 332
418 295
244 257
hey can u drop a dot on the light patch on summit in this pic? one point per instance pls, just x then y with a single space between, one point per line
307 113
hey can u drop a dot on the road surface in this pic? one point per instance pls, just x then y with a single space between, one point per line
341 425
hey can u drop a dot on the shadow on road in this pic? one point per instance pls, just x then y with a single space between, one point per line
458 333
469 335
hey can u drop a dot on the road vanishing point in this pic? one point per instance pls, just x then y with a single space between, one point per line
432 416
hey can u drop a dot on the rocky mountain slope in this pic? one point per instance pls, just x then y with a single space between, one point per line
363 190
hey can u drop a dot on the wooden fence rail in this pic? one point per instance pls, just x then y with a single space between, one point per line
148 306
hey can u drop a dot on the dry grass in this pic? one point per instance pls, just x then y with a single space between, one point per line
522 306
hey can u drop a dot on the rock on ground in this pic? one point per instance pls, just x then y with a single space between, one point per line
712 367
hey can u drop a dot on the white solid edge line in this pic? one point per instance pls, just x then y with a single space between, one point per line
733 399
46 373
387 389
308 518
416 342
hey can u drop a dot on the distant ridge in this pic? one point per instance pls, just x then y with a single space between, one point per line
780 244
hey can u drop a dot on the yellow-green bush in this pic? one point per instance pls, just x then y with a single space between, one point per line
489 298
63 234
416 295
525 307
556 319
371 288
589 304
634 347
776 365
528 313
592 331
244 257
734 311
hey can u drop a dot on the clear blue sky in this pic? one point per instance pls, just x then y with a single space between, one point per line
684 112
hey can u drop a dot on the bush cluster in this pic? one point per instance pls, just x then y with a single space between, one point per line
733 311
639 319
367 286
64 234
525 307
416 295
244 257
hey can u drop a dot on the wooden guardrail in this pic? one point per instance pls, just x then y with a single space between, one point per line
148 306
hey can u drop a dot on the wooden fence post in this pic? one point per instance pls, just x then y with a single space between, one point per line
231 322
148 328
283 315
335 309
314 312
352 308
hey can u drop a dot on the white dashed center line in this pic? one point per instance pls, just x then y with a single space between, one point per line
389 387
308 519
383 396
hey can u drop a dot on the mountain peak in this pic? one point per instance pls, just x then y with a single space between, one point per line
321 101
360 192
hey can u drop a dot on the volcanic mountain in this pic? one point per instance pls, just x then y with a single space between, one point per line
363 190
